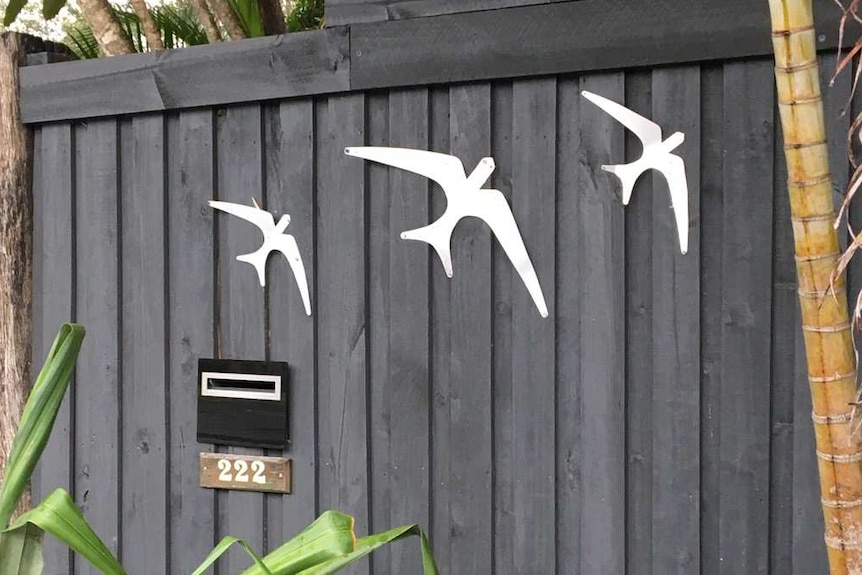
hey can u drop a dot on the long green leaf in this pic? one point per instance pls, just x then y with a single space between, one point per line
249 16
51 8
38 417
12 10
222 547
59 516
328 537
21 551
368 544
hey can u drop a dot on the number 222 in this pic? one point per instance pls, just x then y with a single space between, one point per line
241 468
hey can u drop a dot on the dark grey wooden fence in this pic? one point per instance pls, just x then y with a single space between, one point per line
658 422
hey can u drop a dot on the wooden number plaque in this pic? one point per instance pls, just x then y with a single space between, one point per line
245 472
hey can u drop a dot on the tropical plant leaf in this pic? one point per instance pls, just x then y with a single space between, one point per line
51 8
222 547
83 43
38 417
12 10
249 16
305 15
59 516
328 537
21 551
368 544
179 25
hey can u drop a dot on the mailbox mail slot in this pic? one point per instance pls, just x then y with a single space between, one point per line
242 403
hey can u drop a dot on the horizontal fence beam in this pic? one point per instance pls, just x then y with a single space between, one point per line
555 38
344 12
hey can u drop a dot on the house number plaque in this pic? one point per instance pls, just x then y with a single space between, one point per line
245 472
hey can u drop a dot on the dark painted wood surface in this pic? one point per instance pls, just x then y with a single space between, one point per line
658 422
543 37
341 12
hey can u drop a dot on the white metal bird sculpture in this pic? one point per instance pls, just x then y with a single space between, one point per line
656 156
274 239
464 197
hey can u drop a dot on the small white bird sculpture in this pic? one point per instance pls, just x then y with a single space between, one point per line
274 239
656 156
464 197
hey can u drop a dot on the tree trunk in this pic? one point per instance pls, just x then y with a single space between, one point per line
228 18
111 37
151 31
825 318
16 211
205 17
272 16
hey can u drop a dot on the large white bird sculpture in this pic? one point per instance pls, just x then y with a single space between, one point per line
274 240
464 197
656 156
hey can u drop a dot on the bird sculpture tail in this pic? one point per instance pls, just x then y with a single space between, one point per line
438 239
628 175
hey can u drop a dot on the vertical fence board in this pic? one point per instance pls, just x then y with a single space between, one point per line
290 189
533 357
746 314
676 350
711 232
639 339
241 299
403 385
144 457
342 336
602 336
53 303
191 298
504 470
568 292
97 408
467 322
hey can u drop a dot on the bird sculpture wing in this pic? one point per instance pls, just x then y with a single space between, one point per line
498 215
647 131
286 244
446 170
260 218
673 168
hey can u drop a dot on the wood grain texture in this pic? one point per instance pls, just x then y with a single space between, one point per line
343 467
290 186
242 71
272 476
746 313
399 295
241 302
675 328
534 117
343 13
98 401
144 363
602 338
191 298
53 303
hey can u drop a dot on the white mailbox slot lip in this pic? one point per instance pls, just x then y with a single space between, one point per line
207 390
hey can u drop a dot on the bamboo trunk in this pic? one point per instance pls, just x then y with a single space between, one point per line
16 148
825 318
151 30
112 39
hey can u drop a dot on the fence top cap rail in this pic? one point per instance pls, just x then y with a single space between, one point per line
545 39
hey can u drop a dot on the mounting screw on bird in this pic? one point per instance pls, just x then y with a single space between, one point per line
464 197
274 240
656 156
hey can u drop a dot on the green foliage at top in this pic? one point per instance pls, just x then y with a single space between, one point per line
305 15
324 547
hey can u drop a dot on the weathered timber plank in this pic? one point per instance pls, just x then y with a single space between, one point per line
97 397
290 189
144 430
229 72
342 13
602 325
675 328
744 409
343 467
534 120
561 37
191 298
53 303
241 299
